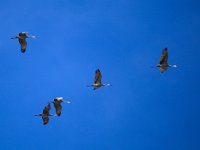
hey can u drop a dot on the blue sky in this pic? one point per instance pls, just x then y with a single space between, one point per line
143 110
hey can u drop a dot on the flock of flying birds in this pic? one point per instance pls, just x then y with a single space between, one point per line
163 66
57 104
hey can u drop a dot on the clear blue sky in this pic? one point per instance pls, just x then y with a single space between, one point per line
143 110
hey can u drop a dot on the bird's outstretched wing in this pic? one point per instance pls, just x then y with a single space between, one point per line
98 77
47 109
45 115
45 119
58 108
164 57
23 44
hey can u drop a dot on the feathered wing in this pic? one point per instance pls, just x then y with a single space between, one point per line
47 109
23 44
163 69
45 115
58 108
98 77
45 119
164 57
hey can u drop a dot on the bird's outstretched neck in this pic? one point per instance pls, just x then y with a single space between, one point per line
173 66
33 37
68 102
107 84
53 115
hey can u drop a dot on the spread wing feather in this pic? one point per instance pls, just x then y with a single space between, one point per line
46 109
164 57
98 77
45 119
58 108
23 44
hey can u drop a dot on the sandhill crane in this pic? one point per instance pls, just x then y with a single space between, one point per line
97 80
45 115
163 65
57 104
22 40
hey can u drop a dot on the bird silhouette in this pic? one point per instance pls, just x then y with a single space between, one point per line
97 80
57 104
163 64
45 115
22 40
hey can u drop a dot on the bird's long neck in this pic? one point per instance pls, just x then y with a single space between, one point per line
106 84
173 66
33 37
68 102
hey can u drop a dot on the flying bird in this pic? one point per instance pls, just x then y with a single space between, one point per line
45 115
57 104
163 65
97 80
22 40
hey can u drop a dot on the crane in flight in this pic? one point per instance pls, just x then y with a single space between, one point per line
22 40
57 104
97 80
45 115
163 65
